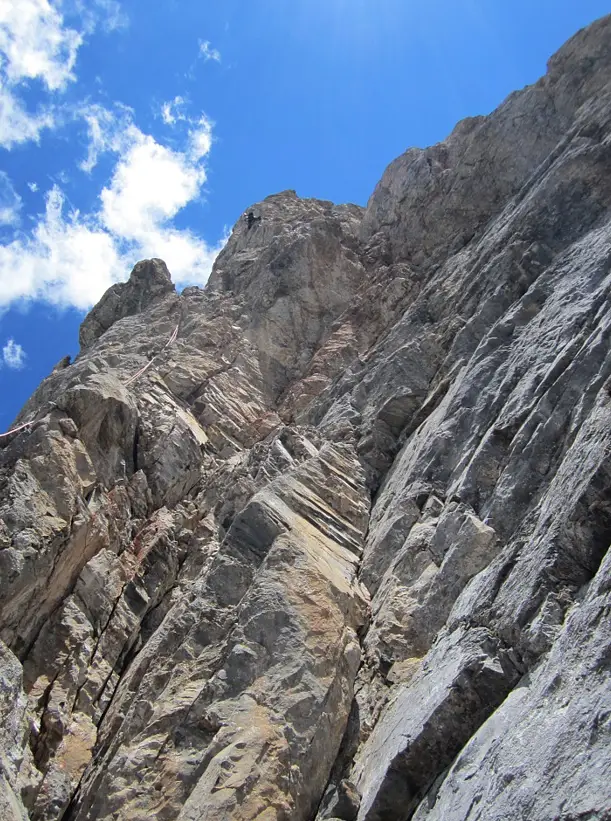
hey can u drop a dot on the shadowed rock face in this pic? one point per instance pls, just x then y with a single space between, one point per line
329 538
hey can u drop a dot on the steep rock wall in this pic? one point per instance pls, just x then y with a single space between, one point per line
329 538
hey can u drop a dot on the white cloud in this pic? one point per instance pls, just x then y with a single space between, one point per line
71 258
108 131
200 139
18 125
207 52
113 17
199 131
150 185
13 355
33 186
172 111
10 201
65 260
35 43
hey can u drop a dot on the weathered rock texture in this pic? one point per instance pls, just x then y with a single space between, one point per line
329 538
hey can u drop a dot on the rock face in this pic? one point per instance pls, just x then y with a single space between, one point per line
329 538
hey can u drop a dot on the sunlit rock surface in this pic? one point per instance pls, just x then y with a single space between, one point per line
329 538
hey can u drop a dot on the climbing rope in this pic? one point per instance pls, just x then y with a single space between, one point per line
125 384
15 430
148 364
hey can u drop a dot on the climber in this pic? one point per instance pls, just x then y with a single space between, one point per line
251 219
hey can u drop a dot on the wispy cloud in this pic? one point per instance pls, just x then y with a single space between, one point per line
172 112
207 52
112 17
198 129
13 355
200 139
108 130
10 201
17 124
37 45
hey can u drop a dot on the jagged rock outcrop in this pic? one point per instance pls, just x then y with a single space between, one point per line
329 538
150 280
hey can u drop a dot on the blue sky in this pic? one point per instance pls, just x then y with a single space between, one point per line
140 128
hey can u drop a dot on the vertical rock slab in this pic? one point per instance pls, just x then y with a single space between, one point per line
462 680
237 705
13 731
546 752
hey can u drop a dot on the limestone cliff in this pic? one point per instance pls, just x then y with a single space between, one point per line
329 538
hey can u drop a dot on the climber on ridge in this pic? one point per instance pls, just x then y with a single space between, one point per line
251 219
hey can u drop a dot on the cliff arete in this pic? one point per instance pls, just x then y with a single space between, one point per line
329 538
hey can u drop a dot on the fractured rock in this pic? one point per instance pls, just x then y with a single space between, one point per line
330 537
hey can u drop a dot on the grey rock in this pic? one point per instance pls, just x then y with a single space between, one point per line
329 538
545 753
105 417
460 683
149 281
342 804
